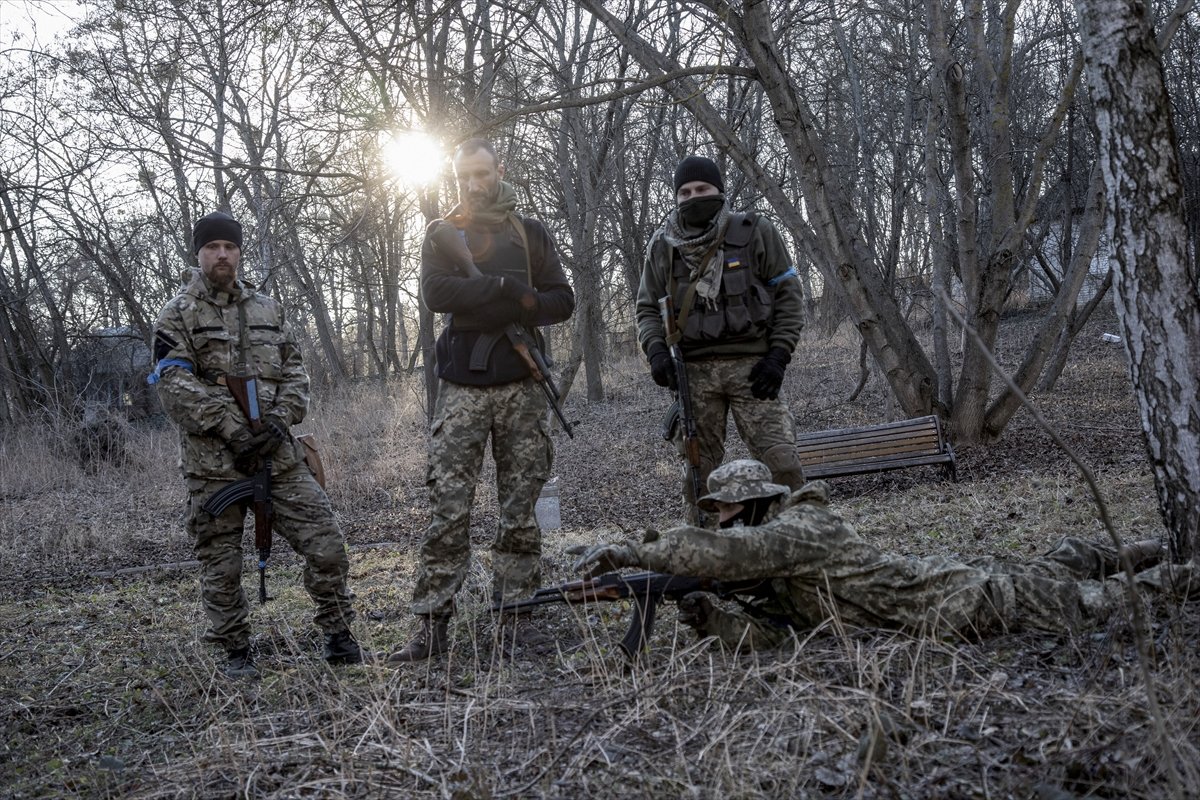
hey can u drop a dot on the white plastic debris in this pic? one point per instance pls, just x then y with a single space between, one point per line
1111 338
546 509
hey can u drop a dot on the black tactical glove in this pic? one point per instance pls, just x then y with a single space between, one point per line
277 428
695 609
767 375
661 368
245 446
525 298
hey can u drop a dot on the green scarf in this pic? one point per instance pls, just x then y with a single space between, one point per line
702 251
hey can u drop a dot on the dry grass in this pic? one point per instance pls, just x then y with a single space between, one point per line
106 691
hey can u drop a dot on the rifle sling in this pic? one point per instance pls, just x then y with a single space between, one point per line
243 336
689 298
519 226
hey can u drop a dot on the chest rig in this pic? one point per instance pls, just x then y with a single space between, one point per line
742 309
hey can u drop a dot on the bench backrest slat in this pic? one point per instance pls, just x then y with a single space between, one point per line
873 448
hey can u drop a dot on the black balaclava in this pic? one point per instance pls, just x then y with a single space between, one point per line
752 513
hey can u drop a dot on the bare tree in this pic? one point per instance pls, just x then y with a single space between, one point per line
1158 300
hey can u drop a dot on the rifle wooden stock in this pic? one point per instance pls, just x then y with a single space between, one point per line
644 589
244 389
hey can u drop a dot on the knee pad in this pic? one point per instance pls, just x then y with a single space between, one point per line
785 465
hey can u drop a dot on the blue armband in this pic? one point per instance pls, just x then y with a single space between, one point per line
783 276
156 376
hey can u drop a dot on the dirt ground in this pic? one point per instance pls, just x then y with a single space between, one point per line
107 692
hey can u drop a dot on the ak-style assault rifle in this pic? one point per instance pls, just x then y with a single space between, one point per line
645 589
450 241
683 395
256 488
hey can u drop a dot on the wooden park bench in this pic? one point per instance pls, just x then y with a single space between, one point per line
875 448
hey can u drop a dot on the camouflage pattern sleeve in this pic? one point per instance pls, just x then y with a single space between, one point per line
185 398
652 288
778 272
291 397
765 551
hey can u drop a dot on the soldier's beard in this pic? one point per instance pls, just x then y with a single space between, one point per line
482 201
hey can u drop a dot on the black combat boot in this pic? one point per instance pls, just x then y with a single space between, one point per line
240 664
430 640
340 648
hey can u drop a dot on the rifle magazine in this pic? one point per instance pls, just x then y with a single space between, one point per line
236 492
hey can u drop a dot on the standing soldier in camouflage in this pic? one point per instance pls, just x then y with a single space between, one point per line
820 567
739 311
220 325
485 392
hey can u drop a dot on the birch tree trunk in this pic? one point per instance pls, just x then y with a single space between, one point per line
1155 277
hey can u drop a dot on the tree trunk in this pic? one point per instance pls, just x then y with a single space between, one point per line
1156 293
425 339
845 260
1075 323
941 256
1057 323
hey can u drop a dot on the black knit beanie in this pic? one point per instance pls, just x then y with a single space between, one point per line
698 168
217 225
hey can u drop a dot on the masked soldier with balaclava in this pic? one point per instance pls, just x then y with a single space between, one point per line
486 391
818 567
219 325
739 312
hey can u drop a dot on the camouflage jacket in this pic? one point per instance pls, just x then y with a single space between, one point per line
819 564
196 343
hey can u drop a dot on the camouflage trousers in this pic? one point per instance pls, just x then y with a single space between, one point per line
1068 589
513 416
304 519
719 387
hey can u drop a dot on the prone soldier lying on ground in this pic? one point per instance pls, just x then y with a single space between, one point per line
817 565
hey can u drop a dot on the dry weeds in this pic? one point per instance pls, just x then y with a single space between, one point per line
106 691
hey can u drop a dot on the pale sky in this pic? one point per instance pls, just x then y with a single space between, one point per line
37 22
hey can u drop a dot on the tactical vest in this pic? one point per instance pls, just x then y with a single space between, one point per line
741 312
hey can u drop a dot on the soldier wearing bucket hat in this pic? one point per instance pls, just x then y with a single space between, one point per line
819 568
